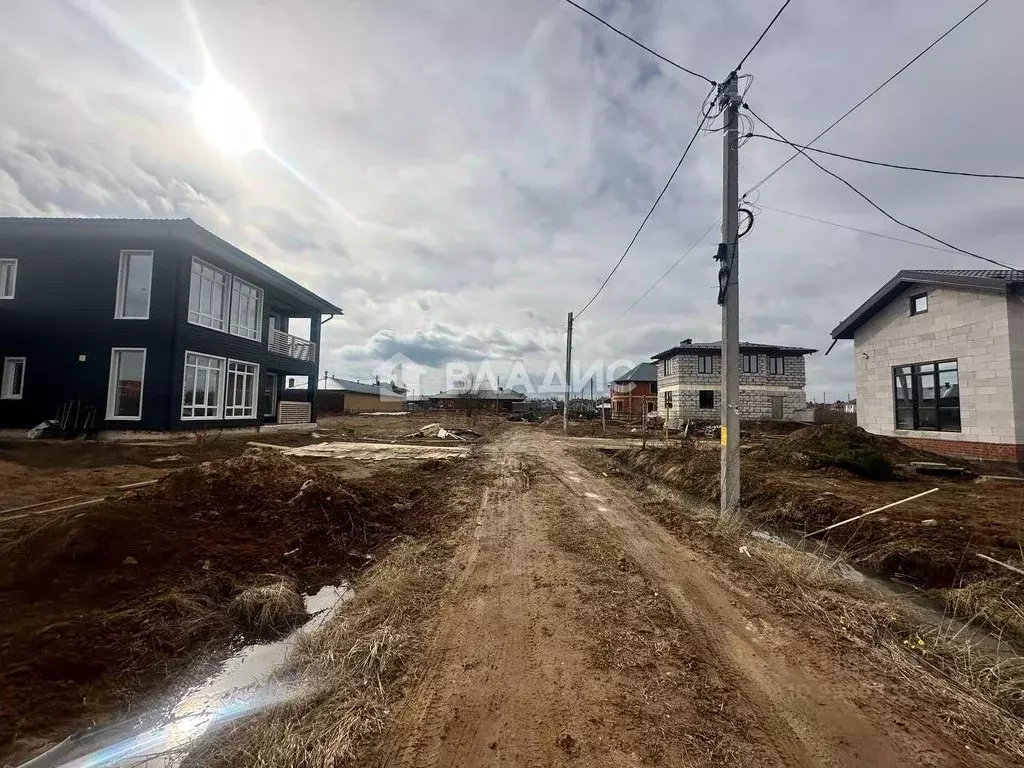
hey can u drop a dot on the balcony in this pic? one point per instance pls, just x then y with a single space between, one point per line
285 344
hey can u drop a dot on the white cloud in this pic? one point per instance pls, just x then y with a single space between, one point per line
475 169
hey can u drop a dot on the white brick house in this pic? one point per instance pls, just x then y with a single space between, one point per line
939 361
772 380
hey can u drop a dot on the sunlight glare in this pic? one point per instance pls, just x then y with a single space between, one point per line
224 116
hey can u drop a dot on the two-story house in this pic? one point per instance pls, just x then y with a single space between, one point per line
112 325
939 361
772 380
635 393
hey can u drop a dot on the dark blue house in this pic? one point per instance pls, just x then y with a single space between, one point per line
122 324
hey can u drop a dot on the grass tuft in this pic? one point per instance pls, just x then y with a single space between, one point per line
268 610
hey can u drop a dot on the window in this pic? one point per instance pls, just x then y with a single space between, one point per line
927 396
664 367
919 304
705 364
650 407
134 280
668 399
127 375
8 277
750 363
776 365
208 295
706 398
246 310
12 382
240 397
201 388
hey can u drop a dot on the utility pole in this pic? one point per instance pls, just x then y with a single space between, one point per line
568 374
729 298
592 403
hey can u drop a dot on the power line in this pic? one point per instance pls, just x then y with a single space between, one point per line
636 42
759 39
890 165
676 264
856 106
856 229
871 202
696 133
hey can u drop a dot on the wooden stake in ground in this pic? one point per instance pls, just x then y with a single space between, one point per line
1013 568
865 514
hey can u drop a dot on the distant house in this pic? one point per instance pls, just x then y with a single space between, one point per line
479 399
115 325
336 396
939 361
772 380
635 393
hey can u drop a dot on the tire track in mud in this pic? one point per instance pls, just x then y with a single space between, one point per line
511 676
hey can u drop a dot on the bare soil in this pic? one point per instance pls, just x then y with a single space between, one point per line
100 605
363 427
966 517
579 631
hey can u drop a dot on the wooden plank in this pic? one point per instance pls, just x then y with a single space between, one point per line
143 484
41 504
269 445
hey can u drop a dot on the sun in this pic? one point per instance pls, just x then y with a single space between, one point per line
225 118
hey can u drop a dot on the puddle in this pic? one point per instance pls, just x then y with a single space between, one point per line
248 681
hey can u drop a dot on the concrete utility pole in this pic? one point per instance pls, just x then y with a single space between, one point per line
568 374
729 101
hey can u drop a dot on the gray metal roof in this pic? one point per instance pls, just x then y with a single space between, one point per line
697 347
643 372
986 280
182 229
333 384
480 394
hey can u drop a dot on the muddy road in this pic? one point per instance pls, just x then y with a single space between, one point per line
579 631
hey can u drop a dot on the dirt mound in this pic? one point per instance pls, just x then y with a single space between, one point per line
844 447
105 602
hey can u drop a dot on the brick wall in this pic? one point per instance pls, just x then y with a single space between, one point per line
680 376
969 450
975 329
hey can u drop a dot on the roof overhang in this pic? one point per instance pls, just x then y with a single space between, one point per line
893 288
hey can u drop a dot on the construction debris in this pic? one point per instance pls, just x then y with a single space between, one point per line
172 457
865 514
444 433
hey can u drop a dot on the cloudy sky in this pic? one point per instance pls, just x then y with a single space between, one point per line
458 174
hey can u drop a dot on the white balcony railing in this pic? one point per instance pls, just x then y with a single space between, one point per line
282 343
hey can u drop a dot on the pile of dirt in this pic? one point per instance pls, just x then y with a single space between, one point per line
932 543
102 604
844 447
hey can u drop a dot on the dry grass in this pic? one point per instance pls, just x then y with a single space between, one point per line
991 602
268 610
351 671
976 686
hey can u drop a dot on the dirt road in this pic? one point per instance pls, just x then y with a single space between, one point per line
579 631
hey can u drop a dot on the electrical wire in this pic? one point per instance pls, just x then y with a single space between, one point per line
674 265
854 229
888 165
759 39
873 204
636 42
696 133
856 106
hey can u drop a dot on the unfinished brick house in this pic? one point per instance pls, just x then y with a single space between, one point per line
635 393
772 380
939 361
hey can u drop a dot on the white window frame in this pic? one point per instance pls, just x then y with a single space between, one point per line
234 326
123 266
225 301
7 383
254 389
112 384
223 388
4 263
